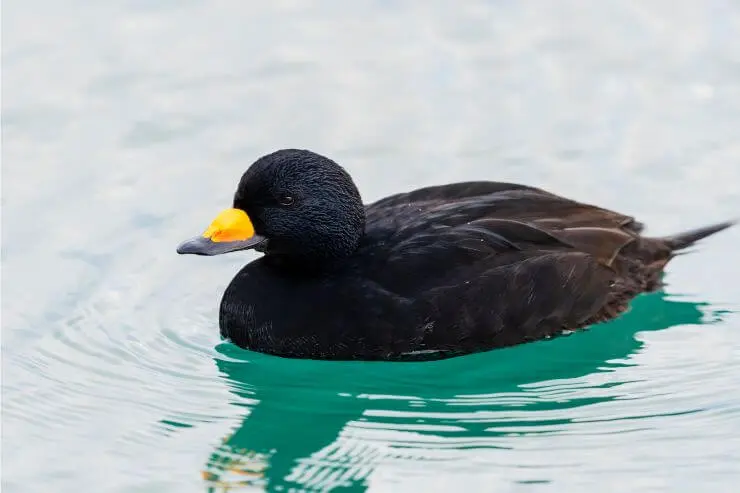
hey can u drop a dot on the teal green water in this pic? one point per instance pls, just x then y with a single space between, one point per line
125 126
354 417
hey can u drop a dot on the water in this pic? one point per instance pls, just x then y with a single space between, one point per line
126 125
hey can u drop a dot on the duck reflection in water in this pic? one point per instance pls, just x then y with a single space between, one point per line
326 426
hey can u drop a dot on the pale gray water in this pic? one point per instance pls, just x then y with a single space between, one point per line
126 125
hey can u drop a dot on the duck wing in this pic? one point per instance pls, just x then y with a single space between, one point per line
494 264
461 202
436 229
430 253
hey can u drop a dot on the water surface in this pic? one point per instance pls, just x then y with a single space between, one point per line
126 125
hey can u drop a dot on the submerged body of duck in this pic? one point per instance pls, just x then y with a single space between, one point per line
435 272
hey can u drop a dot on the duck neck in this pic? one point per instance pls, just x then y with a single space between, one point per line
303 265
312 258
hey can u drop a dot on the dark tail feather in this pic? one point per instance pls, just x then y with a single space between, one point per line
687 238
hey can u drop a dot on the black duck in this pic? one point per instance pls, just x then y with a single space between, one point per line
432 273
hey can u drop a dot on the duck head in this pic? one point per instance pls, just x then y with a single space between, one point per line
294 204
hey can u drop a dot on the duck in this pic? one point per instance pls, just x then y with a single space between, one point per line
432 273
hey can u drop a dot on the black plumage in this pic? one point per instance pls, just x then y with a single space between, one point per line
432 273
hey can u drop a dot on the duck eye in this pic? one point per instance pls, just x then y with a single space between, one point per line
286 200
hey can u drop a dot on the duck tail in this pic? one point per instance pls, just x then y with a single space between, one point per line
687 238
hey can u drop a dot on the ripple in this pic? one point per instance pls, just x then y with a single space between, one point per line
530 413
102 370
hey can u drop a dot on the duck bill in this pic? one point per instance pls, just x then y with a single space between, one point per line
205 246
230 231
